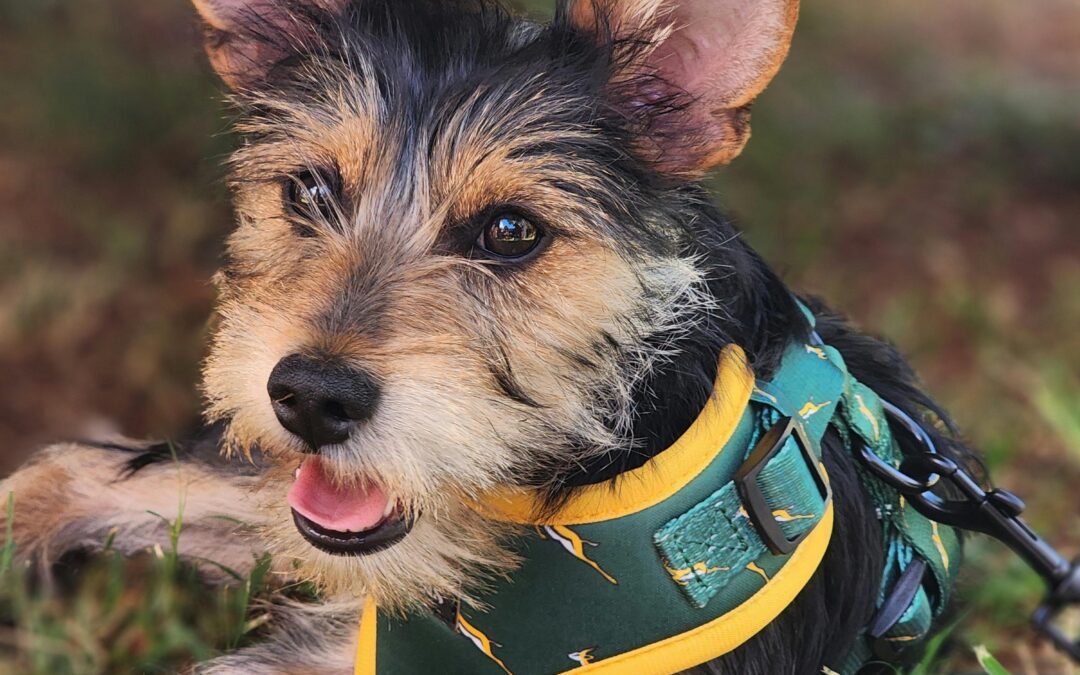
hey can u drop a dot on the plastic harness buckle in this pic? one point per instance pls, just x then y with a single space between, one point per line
892 610
746 482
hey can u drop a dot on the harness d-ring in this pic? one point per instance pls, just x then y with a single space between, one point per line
897 478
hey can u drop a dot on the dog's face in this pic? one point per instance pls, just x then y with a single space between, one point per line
456 255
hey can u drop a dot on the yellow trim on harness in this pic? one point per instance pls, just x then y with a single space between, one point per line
725 633
694 647
659 478
368 639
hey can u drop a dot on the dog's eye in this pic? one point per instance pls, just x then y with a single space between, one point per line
509 235
311 195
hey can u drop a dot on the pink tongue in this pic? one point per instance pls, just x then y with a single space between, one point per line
316 498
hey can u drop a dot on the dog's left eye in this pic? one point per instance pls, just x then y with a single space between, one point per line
509 235
311 195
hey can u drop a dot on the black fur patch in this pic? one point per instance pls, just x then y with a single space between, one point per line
203 447
503 375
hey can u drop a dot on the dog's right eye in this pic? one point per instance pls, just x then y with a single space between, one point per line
310 196
508 236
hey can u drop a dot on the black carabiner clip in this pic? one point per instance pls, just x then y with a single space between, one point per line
1061 597
898 479
993 512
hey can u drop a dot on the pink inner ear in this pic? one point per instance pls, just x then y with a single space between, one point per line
724 52
720 54
240 58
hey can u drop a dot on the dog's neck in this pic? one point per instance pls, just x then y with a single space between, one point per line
761 317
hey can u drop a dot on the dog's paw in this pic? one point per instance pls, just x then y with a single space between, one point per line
41 499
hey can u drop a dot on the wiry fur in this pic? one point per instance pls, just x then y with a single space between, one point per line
304 639
565 370
79 496
427 135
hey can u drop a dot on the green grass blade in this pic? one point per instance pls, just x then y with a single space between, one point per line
1055 398
178 524
928 662
989 664
8 552
213 563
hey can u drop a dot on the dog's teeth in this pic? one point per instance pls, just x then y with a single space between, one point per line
296 474
390 504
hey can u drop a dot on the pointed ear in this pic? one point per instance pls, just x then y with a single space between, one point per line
245 38
704 63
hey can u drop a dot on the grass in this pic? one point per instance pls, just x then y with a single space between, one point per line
917 164
928 664
111 614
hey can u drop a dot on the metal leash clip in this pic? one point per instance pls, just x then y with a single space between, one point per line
995 512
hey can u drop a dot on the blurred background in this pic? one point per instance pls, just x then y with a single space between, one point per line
916 163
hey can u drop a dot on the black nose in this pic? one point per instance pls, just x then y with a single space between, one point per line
321 400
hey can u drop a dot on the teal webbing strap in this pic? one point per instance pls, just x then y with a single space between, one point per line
907 531
914 623
713 542
908 535
857 657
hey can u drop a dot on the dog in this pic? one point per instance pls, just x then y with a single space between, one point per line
473 253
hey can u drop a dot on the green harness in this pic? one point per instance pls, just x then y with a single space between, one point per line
687 557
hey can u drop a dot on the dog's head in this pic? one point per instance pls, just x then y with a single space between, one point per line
465 241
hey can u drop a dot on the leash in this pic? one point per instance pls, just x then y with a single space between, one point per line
995 512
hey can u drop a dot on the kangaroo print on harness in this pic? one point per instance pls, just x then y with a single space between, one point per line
692 553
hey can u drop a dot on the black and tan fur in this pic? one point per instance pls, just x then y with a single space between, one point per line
556 372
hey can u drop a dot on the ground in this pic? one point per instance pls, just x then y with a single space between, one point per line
918 164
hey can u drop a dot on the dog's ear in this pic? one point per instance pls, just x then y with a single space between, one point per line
245 38
694 69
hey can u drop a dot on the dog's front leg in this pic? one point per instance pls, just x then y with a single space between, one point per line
82 497
305 639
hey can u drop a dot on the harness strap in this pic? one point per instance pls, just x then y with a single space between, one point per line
621 581
685 558
921 556
784 487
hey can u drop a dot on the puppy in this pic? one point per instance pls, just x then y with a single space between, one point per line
472 256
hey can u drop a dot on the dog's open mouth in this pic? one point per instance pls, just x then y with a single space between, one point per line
341 520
